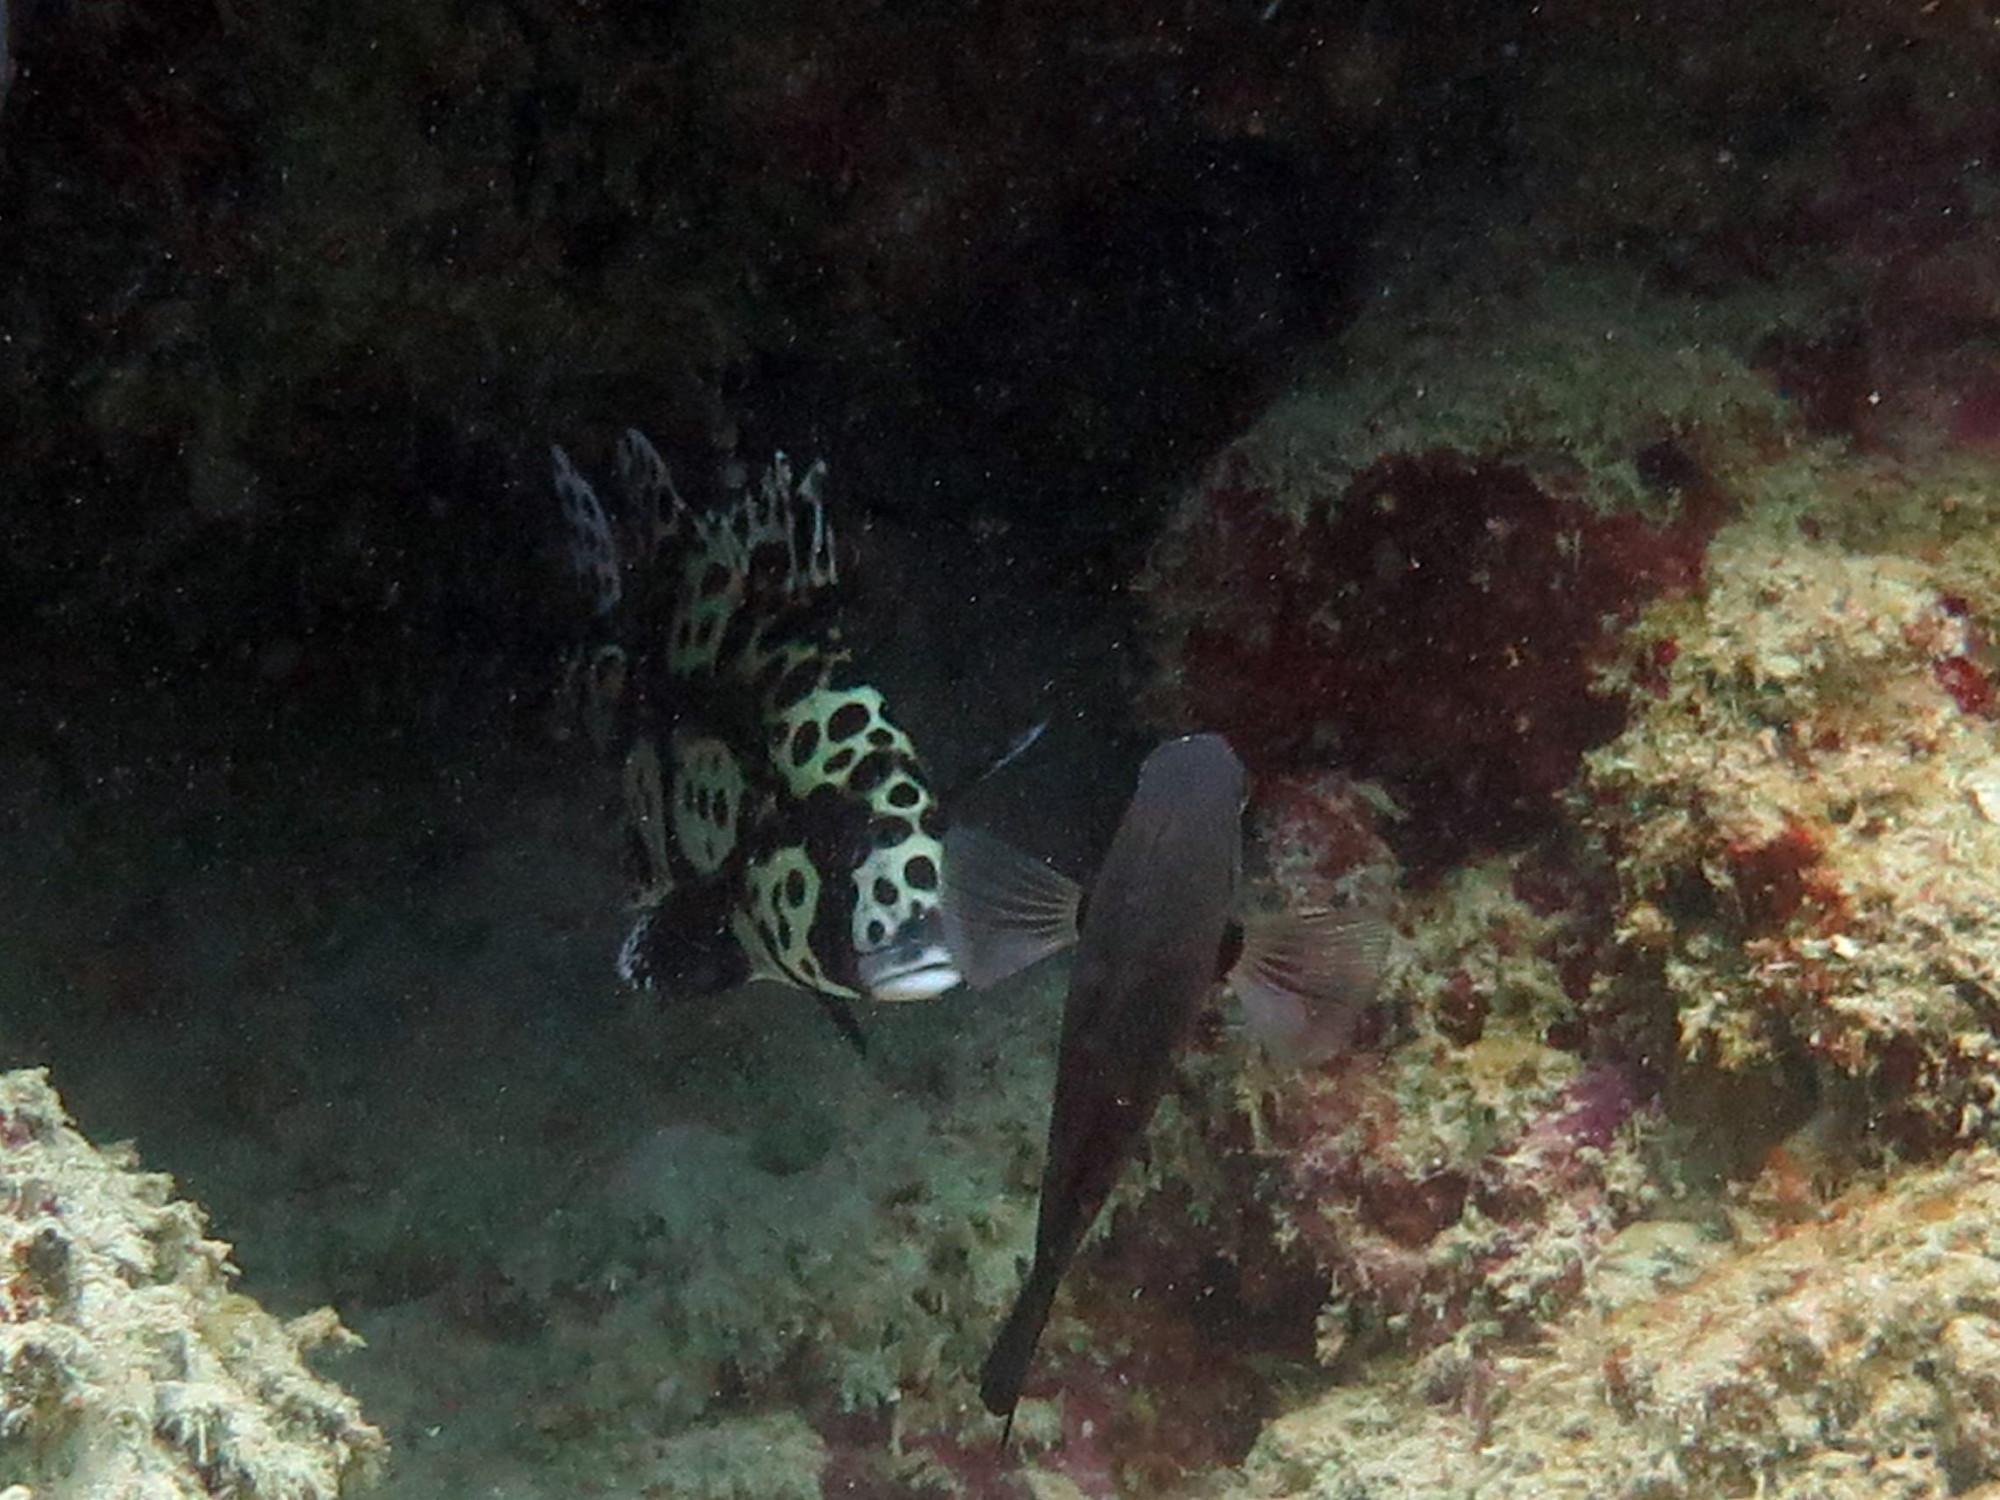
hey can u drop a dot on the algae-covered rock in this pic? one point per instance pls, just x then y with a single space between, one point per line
128 1365
1849 1357
1805 832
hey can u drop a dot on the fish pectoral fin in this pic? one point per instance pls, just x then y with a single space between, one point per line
1002 910
1304 977
1016 748
845 1021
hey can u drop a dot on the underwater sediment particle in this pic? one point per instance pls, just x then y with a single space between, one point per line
128 1364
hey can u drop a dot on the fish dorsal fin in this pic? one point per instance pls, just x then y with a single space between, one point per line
1003 909
607 542
767 550
787 511
1304 977
654 506
593 550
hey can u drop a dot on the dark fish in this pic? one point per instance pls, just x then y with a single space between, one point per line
780 825
1158 932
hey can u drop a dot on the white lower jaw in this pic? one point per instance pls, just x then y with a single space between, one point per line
920 981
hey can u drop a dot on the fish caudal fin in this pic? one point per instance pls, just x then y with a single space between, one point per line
1304 977
1003 910
1006 1367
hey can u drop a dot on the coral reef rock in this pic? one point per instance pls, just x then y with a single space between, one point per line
1805 835
1852 1356
1414 564
129 1368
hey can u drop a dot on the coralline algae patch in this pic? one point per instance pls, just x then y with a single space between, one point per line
1452 1182
1490 565
1806 823
1852 1356
1456 665
1415 568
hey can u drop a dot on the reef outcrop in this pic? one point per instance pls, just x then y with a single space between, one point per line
129 1365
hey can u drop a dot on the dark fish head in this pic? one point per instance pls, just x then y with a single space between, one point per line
1163 898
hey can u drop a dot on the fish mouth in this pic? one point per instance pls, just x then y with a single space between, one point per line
916 966
892 976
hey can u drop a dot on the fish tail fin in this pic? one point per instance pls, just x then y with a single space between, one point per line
1304 977
1006 1367
1002 909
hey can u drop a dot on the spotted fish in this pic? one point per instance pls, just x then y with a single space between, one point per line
1159 929
779 823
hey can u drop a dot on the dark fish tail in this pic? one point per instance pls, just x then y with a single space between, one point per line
1006 1367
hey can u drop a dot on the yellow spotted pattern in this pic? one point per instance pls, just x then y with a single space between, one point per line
775 929
707 800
